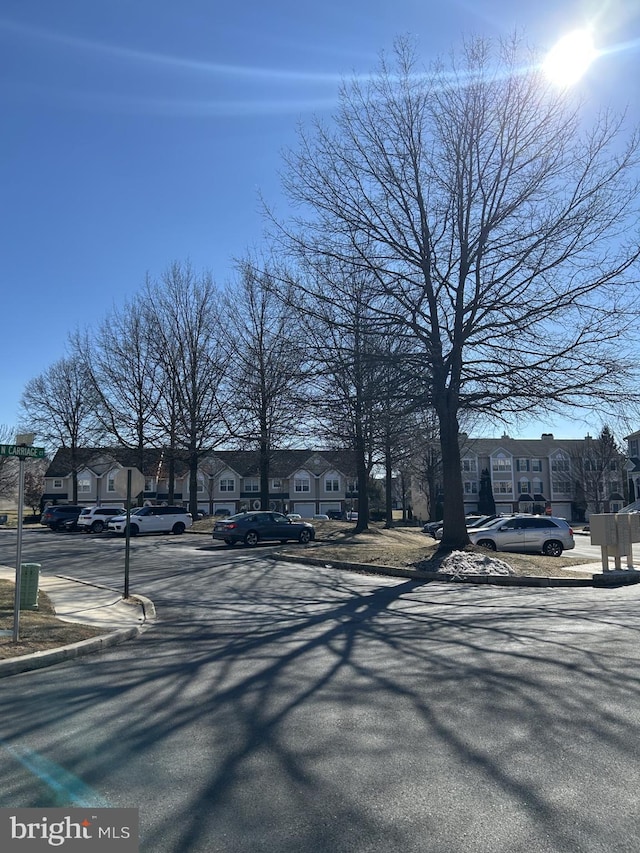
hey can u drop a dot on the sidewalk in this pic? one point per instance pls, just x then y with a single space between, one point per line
91 604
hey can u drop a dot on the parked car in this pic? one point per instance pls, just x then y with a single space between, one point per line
94 519
56 517
321 516
473 522
294 516
254 527
222 513
335 514
352 516
431 526
544 534
153 519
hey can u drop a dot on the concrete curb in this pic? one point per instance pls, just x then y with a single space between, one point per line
608 579
38 660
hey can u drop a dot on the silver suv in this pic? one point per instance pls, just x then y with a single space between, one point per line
153 519
544 534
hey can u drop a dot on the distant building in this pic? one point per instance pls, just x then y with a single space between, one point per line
545 475
302 481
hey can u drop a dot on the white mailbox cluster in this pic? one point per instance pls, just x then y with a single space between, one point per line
615 533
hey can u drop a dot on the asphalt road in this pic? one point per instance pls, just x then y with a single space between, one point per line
275 707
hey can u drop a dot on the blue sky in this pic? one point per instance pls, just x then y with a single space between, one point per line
139 133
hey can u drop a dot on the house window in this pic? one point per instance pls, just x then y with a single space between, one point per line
276 485
469 465
252 485
524 486
331 485
562 487
352 485
201 484
536 464
84 485
301 484
57 484
503 487
471 487
502 463
537 487
633 447
148 484
227 484
560 465
111 483
522 465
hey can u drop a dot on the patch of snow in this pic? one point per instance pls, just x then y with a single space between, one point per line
465 563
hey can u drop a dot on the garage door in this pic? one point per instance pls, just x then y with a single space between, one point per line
306 510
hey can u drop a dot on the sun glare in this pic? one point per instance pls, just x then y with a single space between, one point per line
570 58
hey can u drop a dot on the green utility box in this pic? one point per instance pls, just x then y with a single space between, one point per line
29 582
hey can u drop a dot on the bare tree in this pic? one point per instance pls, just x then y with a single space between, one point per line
123 369
59 406
8 464
261 340
503 235
34 483
344 342
597 465
185 314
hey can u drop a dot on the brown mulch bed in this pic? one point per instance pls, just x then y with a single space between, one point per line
403 547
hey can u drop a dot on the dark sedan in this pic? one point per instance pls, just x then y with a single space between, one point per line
254 527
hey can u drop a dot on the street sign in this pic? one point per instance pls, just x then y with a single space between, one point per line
21 452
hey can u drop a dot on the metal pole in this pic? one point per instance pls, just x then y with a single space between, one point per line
127 536
16 606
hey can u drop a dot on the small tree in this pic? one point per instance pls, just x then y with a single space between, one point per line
8 465
34 484
60 407
598 465
486 501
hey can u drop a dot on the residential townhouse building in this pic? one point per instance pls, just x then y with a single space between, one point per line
545 475
302 481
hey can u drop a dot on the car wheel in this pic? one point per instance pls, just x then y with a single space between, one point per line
230 541
134 530
553 548
251 538
305 536
97 527
178 528
489 544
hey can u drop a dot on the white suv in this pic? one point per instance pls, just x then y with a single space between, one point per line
94 519
153 519
544 534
